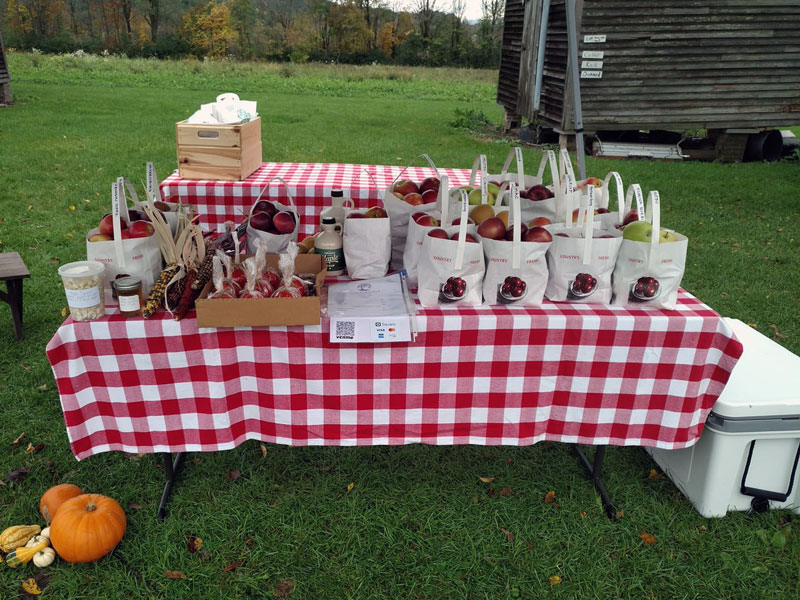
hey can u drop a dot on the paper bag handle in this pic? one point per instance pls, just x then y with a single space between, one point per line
443 200
462 231
480 164
266 187
515 152
634 190
565 164
548 157
588 225
515 221
620 192
654 218
426 157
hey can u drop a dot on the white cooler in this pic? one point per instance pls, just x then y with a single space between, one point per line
747 457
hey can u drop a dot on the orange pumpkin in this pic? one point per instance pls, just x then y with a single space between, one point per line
87 527
55 497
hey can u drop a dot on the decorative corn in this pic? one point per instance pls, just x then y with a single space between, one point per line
203 272
156 297
187 300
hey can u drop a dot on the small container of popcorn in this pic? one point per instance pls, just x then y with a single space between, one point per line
83 285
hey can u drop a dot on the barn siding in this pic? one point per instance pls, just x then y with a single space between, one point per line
509 75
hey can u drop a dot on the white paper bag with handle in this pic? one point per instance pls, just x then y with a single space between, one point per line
451 271
366 241
418 230
537 199
135 256
648 273
274 242
516 271
478 193
581 259
399 213
631 209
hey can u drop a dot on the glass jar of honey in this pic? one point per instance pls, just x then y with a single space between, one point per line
129 294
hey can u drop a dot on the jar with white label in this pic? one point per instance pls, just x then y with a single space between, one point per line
329 245
83 286
129 294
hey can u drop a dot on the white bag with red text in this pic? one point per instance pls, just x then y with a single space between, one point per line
419 227
450 271
648 273
135 256
581 259
275 235
400 211
516 271
537 200
366 241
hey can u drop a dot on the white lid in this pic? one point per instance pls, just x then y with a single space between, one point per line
84 268
764 383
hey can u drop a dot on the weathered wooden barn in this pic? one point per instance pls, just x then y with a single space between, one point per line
5 78
731 67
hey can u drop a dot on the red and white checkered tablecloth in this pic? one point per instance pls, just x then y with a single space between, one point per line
584 373
310 184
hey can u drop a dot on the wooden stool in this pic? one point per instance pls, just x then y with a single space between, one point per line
13 271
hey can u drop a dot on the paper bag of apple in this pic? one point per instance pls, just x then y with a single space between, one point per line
516 267
451 266
405 196
478 192
420 224
581 258
650 263
536 198
272 222
366 240
169 210
124 246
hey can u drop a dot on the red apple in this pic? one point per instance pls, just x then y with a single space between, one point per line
398 194
424 220
468 238
438 233
631 216
414 199
539 192
562 234
140 229
136 215
100 237
356 215
376 212
540 222
429 196
522 231
457 221
107 225
125 235
406 186
239 277
429 183
537 234
265 206
602 211
261 221
492 228
284 222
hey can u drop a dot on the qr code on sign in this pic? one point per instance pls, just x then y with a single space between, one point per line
345 330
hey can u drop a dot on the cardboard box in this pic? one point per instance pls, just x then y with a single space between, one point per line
255 312
218 152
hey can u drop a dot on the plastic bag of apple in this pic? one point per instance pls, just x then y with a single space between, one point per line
404 197
536 198
581 258
271 222
254 279
366 242
649 268
516 268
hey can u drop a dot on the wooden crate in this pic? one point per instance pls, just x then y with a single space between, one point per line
218 152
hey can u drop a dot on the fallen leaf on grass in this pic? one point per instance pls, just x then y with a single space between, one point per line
554 580
508 534
486 479
583 515
506 491
702 529
174 575
620 514
263 451
648 539
42 388
285 588
550 497
25 366
18 474
18 439
775 333
134 505
248 541
31 449
29 586
193 543
233 566
232 476
491 492
655 474
64 312
350 486
474 499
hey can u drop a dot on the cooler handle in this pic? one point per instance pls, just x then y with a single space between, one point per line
778 497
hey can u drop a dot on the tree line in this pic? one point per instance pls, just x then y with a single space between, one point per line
351 31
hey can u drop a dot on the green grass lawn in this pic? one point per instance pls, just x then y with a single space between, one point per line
418 522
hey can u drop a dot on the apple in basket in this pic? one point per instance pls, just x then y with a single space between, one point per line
262 221
429 183
429 196
510 232
414 199
457 221
468 238
480 213
492 228
284 222
405 187
424 219
376 212
540 222
100 237
140 229
356 215
641 231
265 206
106 225
631 216
438 233
591 181
537 234
538 192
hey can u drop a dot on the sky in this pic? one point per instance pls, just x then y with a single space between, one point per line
472 13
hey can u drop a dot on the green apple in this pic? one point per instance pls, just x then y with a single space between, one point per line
475 197
641 231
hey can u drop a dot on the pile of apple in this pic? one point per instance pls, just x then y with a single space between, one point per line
536 193
425 193
267 218
375 212
139 227
495 227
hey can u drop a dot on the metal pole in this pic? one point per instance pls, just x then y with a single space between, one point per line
574 68
543 24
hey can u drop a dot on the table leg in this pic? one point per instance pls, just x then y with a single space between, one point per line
171 471
594 471
15 302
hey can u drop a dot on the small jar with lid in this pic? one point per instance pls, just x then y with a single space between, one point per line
129 293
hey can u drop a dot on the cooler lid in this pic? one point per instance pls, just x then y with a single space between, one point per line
765 381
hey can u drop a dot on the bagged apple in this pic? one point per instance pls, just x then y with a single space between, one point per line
581 259
516 267
565 168
649 267
271 222
404 197
486 192
366 241
451 266
537 200
627 211
123 247
419 225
